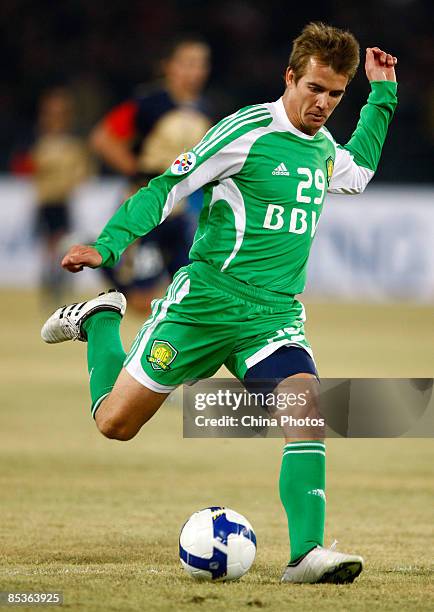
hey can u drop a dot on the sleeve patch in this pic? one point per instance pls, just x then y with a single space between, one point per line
183 163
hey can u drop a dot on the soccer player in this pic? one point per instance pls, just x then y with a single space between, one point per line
139 139
265 172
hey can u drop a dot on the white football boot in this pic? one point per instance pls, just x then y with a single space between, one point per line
324 565
66 323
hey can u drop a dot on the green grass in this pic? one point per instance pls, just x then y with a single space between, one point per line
99 519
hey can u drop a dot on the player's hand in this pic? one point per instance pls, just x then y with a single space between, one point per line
80 256
379 65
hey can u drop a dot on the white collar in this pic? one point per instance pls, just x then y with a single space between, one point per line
283 119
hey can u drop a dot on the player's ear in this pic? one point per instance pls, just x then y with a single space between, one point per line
289 77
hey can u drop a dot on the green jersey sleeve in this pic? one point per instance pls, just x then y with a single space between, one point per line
357 161
220 154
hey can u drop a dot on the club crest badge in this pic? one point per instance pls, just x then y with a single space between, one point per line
183 163
162 355
329 165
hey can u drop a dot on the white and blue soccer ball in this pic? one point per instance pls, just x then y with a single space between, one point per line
217 543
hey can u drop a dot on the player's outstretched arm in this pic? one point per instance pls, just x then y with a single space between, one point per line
80 256
357 161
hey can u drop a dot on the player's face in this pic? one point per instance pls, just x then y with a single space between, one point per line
188 68
311 100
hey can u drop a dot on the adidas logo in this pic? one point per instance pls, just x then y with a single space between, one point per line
281 170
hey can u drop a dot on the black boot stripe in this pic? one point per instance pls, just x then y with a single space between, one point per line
297 561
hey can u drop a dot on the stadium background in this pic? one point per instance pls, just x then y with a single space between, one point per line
99 520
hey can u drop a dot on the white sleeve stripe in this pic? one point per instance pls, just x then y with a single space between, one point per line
241 113
225 121
233 129
227 126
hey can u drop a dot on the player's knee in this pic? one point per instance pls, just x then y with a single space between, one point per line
116 429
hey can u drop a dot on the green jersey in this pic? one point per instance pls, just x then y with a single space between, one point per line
264 185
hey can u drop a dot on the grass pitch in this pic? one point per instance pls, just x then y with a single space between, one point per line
99 519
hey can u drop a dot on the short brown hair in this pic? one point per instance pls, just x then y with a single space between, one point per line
331 46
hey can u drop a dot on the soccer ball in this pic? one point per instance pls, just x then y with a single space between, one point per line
217 544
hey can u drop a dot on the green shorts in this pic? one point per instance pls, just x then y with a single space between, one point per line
207 319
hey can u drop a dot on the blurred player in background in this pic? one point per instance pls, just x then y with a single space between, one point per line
59 162
266 170
139 139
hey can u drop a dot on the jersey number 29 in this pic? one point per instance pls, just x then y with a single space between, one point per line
304 185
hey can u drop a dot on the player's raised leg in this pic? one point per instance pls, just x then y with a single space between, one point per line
120 405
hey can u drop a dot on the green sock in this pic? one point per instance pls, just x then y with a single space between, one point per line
105 354
302 486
